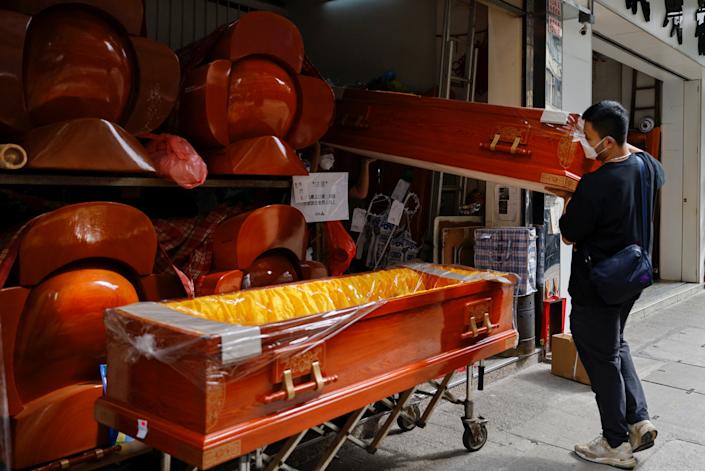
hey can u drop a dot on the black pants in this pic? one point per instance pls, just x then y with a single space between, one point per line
597 332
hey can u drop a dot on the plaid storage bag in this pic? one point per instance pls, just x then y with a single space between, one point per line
509 249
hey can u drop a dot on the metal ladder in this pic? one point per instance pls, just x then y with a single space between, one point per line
654 106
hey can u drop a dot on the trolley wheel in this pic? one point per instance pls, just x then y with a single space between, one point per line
406 424
474 442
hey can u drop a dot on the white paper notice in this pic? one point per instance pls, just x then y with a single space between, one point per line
321 196
555 117
395 213
555 218
358 220
400 190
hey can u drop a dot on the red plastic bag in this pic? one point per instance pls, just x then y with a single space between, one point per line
176 160
340 248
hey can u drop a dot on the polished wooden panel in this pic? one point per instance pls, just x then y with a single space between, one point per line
158 287
459 137
60 338
317 105
77 65
262 100
12 301
129 13
73 263
240 240
203 115
267 270
157 89
89 230
262 33
265 97
267 155
86 144
219 283
273 269
311 270
13 112
74 61
208 419
57 425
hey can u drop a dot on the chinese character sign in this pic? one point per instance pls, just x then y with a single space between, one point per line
321 196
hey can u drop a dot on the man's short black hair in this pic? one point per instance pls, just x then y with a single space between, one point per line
609 118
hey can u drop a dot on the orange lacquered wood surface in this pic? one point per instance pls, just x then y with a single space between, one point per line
158 80
263 33
205 412
72 264
13 112
204 104
262 100
317 110
458 137
57 425
61 336
245 100
83 231
85 144
266 155
77 83
77 65
240 240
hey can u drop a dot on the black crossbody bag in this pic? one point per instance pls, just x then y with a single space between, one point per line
625 274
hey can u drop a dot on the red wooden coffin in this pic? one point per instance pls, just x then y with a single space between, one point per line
78 65
263 247
529 148
246 101
69 265
212 378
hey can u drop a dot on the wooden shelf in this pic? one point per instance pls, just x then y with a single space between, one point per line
38 179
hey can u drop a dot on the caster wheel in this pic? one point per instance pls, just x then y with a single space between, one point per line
472 442
405 423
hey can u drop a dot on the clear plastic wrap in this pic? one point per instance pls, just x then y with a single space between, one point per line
211 378
236 334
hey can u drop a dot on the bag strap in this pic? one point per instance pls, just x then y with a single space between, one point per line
646 222
646 207
654 192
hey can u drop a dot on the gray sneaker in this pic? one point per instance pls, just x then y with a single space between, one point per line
599 451
642 435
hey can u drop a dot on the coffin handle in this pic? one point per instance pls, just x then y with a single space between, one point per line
505 148
317 376
289 390
474 331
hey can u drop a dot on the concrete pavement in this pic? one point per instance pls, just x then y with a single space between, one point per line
535 418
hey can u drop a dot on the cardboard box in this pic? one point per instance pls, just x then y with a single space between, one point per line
565 362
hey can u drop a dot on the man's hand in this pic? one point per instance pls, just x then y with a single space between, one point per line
566 195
